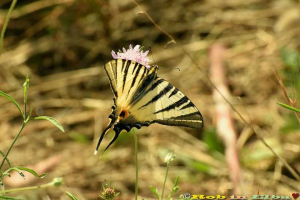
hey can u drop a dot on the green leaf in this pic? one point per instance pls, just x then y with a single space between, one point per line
14 169
31 171
52 120
71 196
288 107
12 100
155 191
25 87
3 154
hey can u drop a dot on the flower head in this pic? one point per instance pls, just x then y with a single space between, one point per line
170 157
135 54
108 193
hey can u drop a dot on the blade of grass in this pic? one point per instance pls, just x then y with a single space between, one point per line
32 172
12 6
71 196
288 107
12 100
52 120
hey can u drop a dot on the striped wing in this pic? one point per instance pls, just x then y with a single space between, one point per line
142 98
162 103
125 77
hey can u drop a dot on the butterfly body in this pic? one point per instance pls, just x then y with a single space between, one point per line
142 98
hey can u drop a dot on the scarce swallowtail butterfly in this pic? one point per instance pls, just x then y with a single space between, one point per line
142 98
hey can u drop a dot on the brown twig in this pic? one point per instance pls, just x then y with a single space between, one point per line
292 171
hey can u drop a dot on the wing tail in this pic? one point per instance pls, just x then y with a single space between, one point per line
102 136
117 133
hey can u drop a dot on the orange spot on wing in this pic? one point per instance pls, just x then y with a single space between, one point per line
123 114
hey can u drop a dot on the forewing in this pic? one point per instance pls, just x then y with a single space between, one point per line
124 77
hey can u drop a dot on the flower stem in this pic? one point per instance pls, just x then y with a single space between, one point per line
136 165
163 189
27 188
11 146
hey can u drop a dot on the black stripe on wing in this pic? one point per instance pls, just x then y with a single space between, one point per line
143 75
125 73
190 104
123 64
135 76
190 116
192 120
178 103
154 85
160 95
111 83
174 92
189 124
145 82
136 64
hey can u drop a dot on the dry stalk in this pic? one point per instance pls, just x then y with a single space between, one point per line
291 102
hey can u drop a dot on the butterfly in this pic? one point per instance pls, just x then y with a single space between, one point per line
142 98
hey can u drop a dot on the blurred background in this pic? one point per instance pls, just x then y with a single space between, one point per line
241 45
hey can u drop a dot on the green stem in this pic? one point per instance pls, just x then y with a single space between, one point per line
163 189
25 110
5 24
27 188
11 146
136 165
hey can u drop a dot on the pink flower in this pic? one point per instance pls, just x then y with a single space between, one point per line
133 54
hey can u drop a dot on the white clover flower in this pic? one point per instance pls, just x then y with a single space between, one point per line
133 54
170 157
